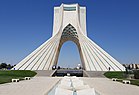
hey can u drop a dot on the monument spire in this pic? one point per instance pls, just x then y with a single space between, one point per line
70 24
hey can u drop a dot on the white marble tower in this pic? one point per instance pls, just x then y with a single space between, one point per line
70 24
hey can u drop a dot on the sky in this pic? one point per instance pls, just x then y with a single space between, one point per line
26 24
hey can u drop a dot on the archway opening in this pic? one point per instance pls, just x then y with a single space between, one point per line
69 56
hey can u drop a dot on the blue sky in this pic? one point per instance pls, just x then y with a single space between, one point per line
26 24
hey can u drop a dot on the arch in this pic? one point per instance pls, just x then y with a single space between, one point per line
69 55
69 33
92 56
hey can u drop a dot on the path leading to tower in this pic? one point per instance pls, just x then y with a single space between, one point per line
42 85
106 86
35 86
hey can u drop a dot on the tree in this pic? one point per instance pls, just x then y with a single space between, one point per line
129 67
6 66
9 66
0 66
3 65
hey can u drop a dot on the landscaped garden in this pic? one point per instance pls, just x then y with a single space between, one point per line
133 77
7 75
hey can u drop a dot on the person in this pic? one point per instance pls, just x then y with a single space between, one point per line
58 67
109 68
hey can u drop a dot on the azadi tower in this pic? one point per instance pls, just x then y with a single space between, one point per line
69 24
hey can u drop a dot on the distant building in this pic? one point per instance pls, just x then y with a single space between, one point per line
131 66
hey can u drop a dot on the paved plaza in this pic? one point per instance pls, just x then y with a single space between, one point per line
42 85
106 86
35 86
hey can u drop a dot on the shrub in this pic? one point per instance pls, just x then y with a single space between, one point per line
136 74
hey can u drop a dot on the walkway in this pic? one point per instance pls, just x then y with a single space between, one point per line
106 86
35 86
42 85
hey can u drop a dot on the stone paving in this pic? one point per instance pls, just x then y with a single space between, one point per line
42 85
106 86
35 86
73 86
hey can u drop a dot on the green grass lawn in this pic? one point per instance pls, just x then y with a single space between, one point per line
121 76
118 74
135 82
6 76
